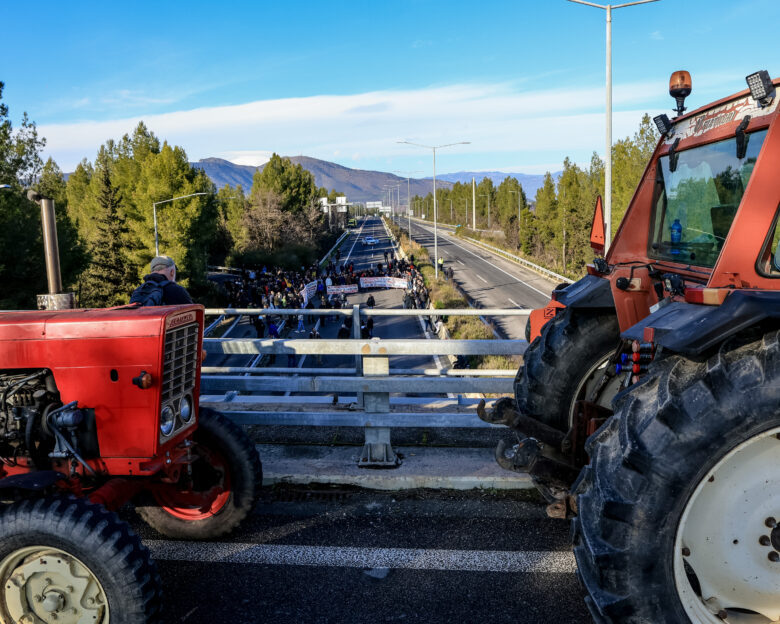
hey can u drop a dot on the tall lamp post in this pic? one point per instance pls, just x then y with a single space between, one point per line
154 211
608 156
435 230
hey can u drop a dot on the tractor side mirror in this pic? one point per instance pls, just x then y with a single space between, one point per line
597 234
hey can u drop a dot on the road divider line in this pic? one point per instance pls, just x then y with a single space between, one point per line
480 277
512 301
551 562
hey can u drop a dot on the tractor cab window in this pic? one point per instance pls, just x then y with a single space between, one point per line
696 199
769 261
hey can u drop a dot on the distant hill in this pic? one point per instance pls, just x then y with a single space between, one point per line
358 184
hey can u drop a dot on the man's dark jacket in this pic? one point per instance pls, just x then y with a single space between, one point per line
173 294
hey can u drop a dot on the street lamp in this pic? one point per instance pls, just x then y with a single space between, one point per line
608 156
435 230
488 196
154 210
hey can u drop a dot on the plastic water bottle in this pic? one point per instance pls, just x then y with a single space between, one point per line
676 236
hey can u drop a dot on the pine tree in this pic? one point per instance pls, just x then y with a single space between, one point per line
109 279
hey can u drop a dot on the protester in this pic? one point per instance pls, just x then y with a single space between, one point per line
160 287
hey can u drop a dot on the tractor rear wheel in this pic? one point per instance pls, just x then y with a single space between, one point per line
563 365
227 467
679 507
71 561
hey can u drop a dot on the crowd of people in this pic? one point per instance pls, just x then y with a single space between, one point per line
278 288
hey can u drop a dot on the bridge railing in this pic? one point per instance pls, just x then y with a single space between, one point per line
371 394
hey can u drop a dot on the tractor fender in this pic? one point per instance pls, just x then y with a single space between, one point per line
589 292
35 481
692 329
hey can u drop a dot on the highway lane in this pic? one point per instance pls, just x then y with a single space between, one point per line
487 278
332 556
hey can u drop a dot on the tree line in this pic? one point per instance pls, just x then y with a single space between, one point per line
105 217
553 228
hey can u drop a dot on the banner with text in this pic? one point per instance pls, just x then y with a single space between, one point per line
349 289
384 282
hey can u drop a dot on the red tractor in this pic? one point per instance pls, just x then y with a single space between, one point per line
99 408
650 395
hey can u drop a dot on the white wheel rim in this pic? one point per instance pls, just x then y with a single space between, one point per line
723 535
588 383
44 585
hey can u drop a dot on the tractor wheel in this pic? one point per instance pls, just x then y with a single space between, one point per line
564 364
679 507
71 561
228 460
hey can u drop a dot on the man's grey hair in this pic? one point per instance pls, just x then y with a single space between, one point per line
160 263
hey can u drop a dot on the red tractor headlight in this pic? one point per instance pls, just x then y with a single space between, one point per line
185 409
167 420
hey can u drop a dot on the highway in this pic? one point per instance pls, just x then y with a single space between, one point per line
319 554
488 279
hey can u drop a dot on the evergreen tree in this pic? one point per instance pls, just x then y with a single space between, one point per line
109 280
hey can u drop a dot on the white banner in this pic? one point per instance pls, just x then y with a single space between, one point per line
349 289
384 282
308 292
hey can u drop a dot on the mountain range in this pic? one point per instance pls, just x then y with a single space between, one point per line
358 185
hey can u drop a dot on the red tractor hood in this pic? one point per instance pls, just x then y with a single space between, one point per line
122 321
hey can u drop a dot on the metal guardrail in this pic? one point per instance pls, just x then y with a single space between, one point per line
371 381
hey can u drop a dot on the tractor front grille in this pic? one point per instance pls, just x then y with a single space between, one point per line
180 362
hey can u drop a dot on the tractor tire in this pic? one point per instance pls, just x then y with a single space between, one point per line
69 560
680 502
558 365
227 458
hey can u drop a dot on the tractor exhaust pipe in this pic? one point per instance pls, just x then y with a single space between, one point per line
55 299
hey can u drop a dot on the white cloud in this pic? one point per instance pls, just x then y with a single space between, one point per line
656 35
528 127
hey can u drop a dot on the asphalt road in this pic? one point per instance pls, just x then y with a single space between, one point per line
488 279
321 556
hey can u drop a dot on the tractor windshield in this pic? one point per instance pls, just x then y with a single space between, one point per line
696 200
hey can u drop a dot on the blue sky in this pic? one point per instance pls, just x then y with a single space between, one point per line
344 81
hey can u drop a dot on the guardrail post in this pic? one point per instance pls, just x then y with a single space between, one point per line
358 359
377 450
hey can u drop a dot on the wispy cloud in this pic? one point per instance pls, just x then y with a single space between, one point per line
527 127
656 35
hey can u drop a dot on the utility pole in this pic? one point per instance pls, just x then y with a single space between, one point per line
608 155
474 203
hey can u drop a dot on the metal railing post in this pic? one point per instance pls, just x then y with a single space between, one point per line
377 450
358 358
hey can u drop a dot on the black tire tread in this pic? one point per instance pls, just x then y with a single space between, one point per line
245 490
647 459
100 539
556 361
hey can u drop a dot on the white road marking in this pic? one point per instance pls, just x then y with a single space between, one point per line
357 238
556 562
460 263
514 277
512 301
482 278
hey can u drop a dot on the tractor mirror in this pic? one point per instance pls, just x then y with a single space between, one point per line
597 235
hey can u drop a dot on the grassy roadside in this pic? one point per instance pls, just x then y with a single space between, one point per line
445 296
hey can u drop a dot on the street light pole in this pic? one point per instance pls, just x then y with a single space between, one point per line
435 230
608 156
154 211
